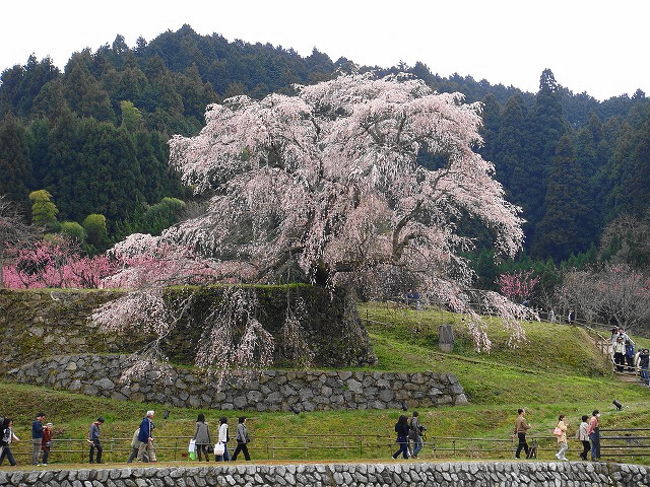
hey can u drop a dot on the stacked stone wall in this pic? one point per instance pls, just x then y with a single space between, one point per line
271 390
461 474
42 322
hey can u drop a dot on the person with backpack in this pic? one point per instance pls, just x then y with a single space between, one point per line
415 434
7 436
242 440
402 430
223 441
95 441
560 434
202 438
37 438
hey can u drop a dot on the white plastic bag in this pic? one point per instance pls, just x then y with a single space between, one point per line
191 448
219 449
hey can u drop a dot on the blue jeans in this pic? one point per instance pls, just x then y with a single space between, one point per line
645 376
595 444
403 448
417 445
225 457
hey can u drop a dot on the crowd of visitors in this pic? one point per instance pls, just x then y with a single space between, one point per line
627 358
142 444
410 439
588 433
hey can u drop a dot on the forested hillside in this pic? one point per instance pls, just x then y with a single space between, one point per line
95 135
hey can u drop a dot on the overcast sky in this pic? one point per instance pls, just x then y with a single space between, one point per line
596 46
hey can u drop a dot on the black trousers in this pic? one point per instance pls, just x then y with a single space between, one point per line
241 447
522 444
6 453
586 446
205 449
96 446
619 359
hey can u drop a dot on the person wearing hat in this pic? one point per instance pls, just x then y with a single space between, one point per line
94 440
242 440
47 441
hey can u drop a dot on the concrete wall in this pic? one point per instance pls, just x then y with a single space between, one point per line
272 390
461 474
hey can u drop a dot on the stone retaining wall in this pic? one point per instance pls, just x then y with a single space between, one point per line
462 474
40 322
273 390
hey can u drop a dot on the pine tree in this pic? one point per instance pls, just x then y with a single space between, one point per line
567 225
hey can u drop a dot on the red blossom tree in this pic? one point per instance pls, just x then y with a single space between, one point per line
518 286
359 181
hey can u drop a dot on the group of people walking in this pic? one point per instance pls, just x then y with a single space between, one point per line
201 443
142 444
410 436
41 440
588 433
625 355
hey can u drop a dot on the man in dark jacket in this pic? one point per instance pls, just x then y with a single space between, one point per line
37 438
145 436
95 443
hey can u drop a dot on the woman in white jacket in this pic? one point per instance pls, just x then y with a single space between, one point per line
223 439
583 436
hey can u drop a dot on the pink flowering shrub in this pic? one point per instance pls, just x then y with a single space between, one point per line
58 264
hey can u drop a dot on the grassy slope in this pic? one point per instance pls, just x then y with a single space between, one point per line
556 371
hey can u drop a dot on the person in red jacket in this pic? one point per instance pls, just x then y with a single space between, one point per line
46 444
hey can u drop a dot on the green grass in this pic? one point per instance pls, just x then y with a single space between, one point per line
557 371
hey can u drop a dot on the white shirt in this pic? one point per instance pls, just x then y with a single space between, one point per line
223 432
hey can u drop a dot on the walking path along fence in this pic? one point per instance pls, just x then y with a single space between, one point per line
344 446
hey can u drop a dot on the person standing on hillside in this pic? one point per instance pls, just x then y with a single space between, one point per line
560 434
37 438
521 428
202 438
145 437
594 435
583 436
642 361
619 354
95 441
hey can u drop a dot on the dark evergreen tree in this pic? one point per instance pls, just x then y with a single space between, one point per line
567 225
15 166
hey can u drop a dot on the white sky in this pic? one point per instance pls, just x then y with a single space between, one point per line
596 46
